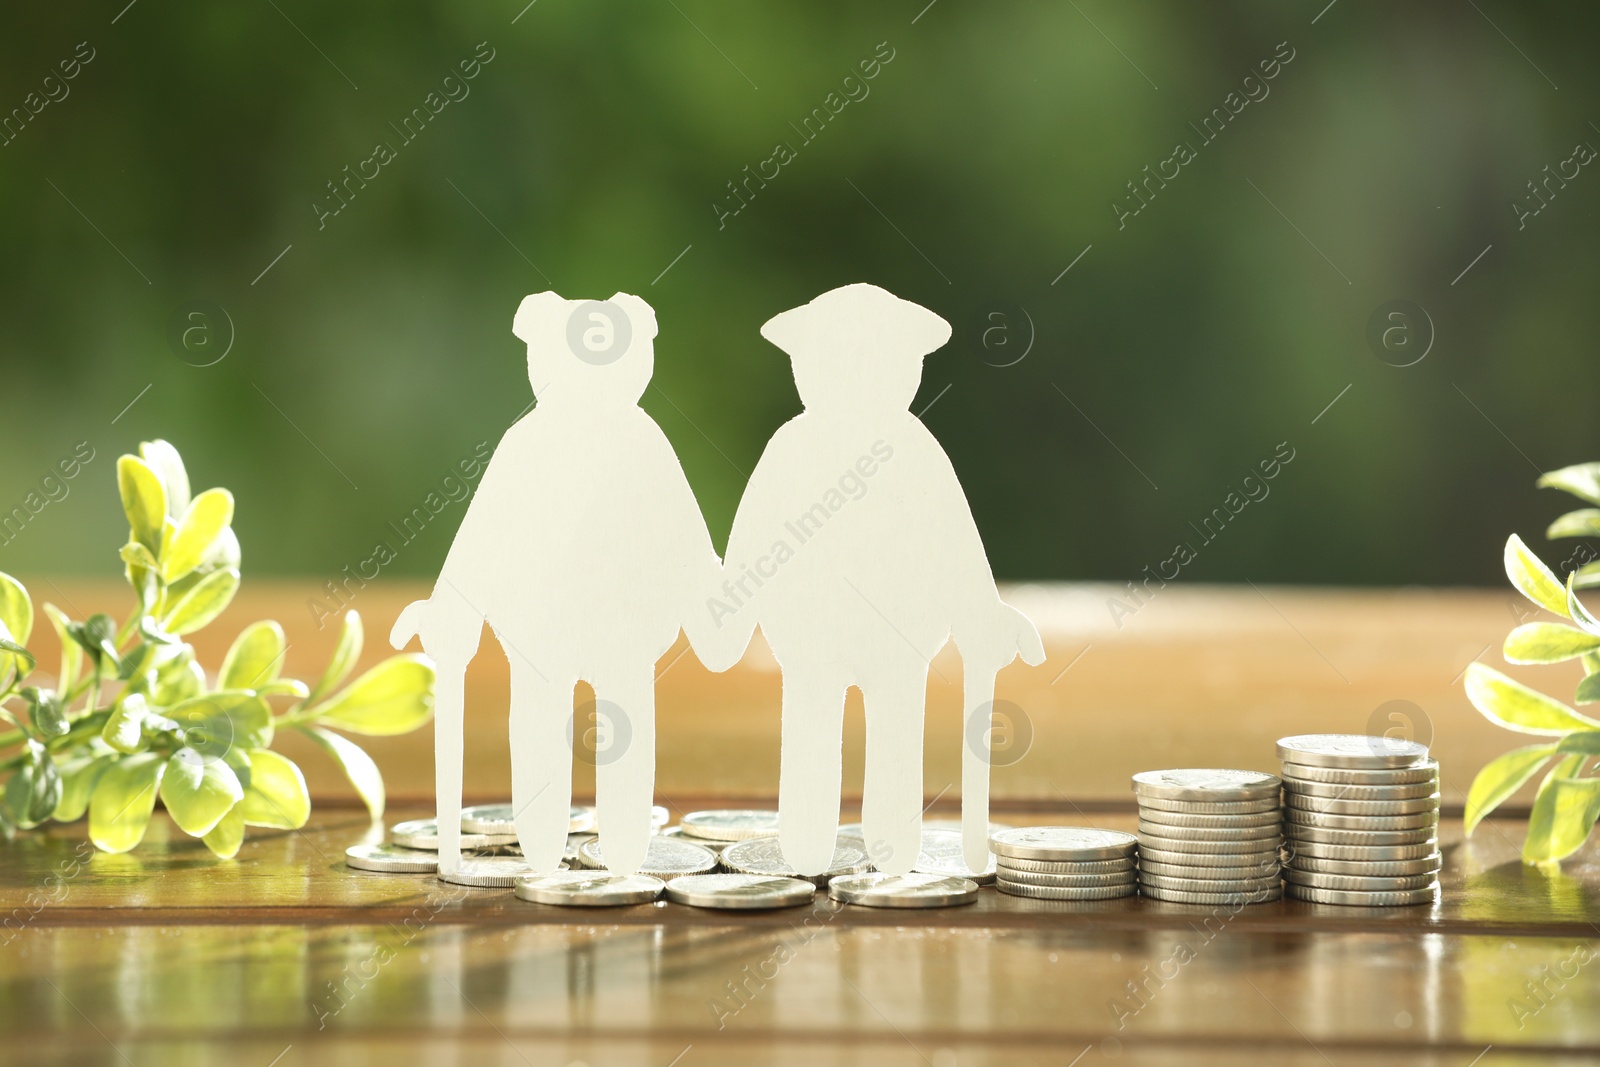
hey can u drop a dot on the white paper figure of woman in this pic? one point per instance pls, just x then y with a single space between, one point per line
585 551
855 551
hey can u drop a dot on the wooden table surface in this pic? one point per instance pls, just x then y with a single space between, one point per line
283 957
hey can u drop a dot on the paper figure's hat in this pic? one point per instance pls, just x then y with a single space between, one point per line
857 347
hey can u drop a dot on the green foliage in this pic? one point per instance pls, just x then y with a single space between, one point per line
131 716
1567 803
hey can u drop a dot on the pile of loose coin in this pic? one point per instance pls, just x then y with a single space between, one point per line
1208 836
1065 863
1361 820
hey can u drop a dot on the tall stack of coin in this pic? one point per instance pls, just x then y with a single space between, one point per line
1208 836
1361 818
1065 863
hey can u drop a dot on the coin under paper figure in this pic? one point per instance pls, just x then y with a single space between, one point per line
740 892
590 889
911 890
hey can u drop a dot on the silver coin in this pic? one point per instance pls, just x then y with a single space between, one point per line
1298 817
878 890
942 854
1329 850
1210 807
1063 843
667 858
1350 750
1266 846
1056 892
1296 833
739 892
1206 784
1068 881
1184 896
1211 833
572 855
590 889
763 855
1014 863
489 872
1428 864
1265 869
1340 791
1205 885
716 847
390 860
1397 883
500 819
1414 806
1203 822
738 825
424 834
1355 897
1206 855
1421 771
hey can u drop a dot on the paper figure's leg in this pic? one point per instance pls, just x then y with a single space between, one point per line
810 770
449 706
541 763
891 800
625 767
978 698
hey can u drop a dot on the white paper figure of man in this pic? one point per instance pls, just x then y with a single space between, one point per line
855 551
585 551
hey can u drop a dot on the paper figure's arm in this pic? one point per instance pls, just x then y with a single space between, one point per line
690 558
988 632
450 622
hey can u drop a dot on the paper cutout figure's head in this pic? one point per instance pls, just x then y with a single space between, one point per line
587 350
857 348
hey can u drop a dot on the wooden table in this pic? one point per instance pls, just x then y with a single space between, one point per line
282 956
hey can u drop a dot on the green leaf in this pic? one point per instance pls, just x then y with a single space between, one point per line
124 730
286 687
123 798
226 837
136 555
1591 663
34 788
1586 743
168 465
356 764
16 610
1581 480
277 796
1589 690
218 722
78 778
198 791
1585 522
1563 813
207 517
1516 707
1547 642
208 599
256 657
13 658
345 654
174 676
1500 778
44 707
1587 576
1576 609
391 698
1533 579
71 651
144 500
97 635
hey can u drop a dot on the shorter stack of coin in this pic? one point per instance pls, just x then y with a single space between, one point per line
1208 836
1065 863
1361 820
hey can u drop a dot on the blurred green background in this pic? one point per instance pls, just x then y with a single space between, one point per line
1183 345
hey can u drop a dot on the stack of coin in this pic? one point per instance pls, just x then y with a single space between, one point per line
1208 836
1065 863
1361 819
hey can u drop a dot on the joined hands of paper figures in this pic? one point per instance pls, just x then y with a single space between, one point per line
853 549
